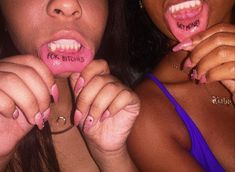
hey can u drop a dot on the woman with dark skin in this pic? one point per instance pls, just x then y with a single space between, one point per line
190 92
47 51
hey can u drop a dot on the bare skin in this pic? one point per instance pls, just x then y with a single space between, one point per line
160 140
105 109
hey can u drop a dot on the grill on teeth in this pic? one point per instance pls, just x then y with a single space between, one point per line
64 44
185 5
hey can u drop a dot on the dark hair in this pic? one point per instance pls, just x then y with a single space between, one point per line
147 45
128 58
36 151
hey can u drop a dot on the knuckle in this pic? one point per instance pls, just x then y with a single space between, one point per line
113 86
221 52
221 27
83 100
29 59
99 79
127 93
218 39
6 105
95 108
29 71
231 69
211 76
103 64
10 77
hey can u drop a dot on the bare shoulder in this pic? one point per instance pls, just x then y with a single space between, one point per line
159 139
157 111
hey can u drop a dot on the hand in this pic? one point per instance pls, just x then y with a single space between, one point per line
25 84
106 109
213 55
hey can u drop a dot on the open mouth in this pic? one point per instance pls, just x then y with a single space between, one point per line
65 55
187 18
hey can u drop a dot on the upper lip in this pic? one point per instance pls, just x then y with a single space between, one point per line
69 34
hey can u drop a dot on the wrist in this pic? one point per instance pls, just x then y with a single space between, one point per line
118 160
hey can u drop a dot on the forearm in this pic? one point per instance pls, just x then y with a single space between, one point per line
115 161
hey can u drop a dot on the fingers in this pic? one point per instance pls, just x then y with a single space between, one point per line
220 73
219 56
22 97
32 80
7 106
40 68
92 91
103 100
218 40
190 44
96 67
126 100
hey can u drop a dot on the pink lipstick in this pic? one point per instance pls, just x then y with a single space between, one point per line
187 18
64 55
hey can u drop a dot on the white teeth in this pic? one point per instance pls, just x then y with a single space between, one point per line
185 5
64 44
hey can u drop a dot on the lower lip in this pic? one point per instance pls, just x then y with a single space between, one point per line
185 26
61 62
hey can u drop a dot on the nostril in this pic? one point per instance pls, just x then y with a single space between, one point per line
58 11
76 13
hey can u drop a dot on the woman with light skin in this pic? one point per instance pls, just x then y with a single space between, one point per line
48 50
187 117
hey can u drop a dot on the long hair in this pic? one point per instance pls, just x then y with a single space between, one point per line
147 45
123 44
35 152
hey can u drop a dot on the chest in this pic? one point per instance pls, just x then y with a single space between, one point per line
217 126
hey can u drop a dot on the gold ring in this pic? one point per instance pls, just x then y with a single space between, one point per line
61 118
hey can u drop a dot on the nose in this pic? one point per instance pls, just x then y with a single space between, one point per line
64 9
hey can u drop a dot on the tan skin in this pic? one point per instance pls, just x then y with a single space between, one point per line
160 140
26 82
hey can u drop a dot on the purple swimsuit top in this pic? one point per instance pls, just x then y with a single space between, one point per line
199 150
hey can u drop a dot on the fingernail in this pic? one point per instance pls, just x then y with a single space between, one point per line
183 45
15 114
79 85
105 115
77 117
88 123
55 93
39 120
203 79
187 63
46 114
194 74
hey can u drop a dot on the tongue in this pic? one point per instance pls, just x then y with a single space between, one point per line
187 23
63 62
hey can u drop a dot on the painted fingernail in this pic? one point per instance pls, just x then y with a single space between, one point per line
187 63
183 45
203 79
194 74
77 117
88 123
46 114
15 114
55 93
105 115
39 120
79 85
